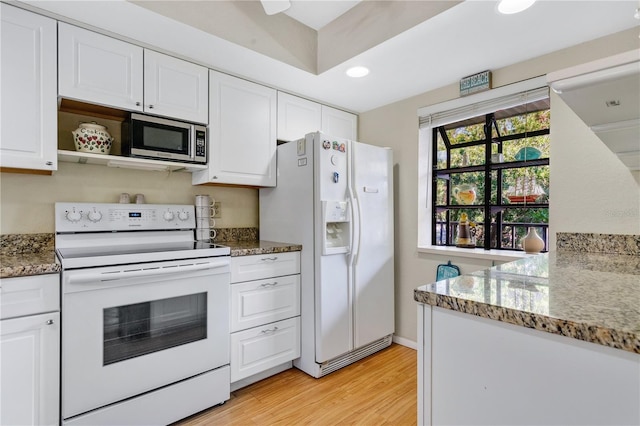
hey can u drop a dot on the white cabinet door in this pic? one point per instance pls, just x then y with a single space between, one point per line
20 296
99 69
259 266
260 348
339 124
28 120
297 117
260 302
30 368
242 133
175 88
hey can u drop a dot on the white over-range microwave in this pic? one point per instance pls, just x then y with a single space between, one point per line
163 139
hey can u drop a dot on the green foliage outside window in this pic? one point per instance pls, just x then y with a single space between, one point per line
467 141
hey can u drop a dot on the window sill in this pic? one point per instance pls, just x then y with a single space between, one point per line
499 255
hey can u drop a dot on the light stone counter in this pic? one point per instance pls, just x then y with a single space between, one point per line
593 297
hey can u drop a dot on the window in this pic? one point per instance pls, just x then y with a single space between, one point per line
486 163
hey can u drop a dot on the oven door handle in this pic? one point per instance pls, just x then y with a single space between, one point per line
93 277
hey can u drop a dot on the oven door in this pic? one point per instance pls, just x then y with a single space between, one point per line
130 329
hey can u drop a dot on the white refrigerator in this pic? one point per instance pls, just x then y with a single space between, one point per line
335 197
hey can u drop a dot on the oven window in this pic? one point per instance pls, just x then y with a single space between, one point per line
144 328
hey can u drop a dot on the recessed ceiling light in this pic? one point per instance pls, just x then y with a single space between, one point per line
357 72
509 7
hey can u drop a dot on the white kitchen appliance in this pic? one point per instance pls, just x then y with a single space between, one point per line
145 314
335 197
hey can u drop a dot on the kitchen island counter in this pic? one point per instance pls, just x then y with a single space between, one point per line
593 297
549 339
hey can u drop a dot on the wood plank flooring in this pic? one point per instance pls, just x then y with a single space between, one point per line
378 390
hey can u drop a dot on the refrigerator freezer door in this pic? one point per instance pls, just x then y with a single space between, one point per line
333 299
371 180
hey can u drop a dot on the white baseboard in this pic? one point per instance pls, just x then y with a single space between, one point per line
405 342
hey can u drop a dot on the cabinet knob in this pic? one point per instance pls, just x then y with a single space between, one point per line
273 284
270 330
214 177
137 103
49 163
269 259
150 106
50 322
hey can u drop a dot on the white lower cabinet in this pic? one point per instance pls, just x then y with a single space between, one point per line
255 303
265 314
474 370
260 348
29 351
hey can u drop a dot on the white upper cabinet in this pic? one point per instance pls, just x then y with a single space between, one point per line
242 133
175 88
102 70
297 117
28 120
338 123
99 69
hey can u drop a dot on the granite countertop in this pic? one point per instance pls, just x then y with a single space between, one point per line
593 297
247 248
27 254
34 254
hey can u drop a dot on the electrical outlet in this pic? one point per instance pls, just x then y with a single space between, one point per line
217 207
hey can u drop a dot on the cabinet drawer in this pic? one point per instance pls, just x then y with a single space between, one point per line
260 348
261 302
249 268
29 295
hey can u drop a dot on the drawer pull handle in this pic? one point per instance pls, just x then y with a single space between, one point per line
269 259
50 322
271 330
273 284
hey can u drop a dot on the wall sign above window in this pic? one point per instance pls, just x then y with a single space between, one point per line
475 83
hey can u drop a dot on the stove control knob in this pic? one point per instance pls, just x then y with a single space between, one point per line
183 215
168 216
73 216
94 216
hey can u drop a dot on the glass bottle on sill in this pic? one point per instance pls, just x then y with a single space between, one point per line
465 238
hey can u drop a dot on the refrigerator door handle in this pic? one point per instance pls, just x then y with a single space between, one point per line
356 222
354 218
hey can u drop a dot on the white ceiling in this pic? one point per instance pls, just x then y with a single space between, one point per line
318 13
467 38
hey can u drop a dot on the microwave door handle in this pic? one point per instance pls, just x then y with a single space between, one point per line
192 142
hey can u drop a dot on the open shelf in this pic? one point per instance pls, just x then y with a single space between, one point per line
126 162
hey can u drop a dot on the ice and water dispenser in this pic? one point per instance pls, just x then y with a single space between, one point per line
336 224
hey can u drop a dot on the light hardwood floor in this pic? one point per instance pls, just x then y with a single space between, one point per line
378 390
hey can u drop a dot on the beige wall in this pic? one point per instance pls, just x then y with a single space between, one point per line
27 200
601 177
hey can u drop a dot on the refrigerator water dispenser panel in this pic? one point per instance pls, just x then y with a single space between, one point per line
336 227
